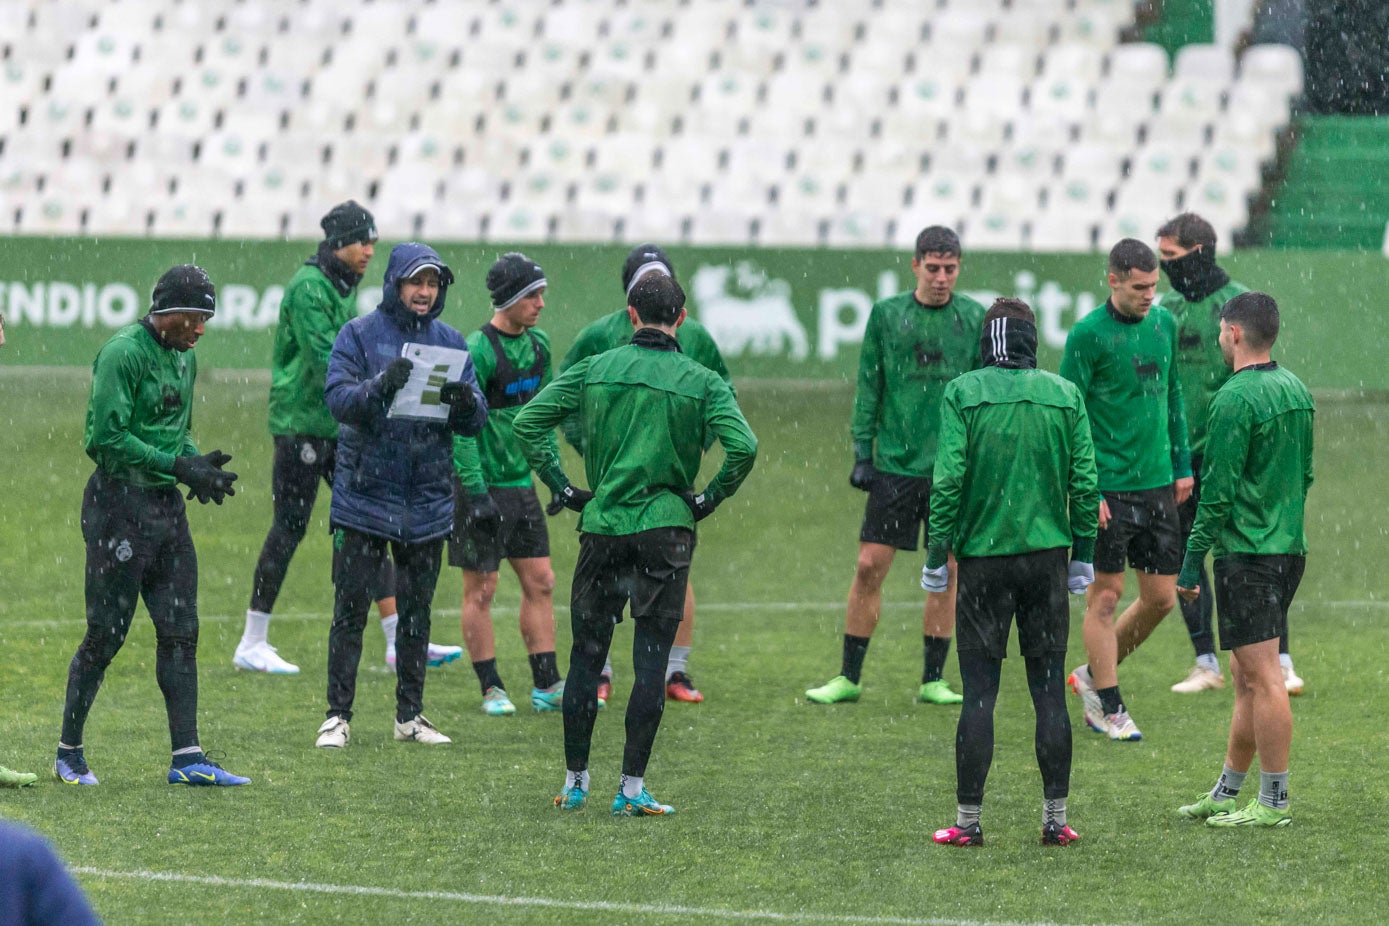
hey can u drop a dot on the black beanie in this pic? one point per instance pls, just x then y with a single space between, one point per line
184 288
644 257
347 223
513 277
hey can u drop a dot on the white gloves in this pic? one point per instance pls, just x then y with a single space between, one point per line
934 580
1079 577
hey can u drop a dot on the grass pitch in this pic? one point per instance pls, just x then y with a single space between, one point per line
787 812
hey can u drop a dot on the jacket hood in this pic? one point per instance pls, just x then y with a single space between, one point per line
406 260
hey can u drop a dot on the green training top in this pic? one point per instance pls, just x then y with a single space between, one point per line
910 352
1258 467
141 407
1124 370
494 457
645 409
615 330
1015 468
1200 366
312 313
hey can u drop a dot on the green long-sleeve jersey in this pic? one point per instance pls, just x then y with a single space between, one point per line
1124 368
1200 367
645 409
312 312
910 352
615 330
1015 468
141 407
1258 466
494 457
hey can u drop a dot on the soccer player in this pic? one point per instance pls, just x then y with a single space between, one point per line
695 342
497 515
1256 478
1122 357
321 297
1187 245
394 482
645 410
916 342
134 522
1014 488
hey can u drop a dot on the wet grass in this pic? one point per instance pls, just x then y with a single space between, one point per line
813 814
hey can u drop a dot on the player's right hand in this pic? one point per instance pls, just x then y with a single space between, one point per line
863 474
396 375
556 504
701 506
935 580
1079 577
1104 514
481 514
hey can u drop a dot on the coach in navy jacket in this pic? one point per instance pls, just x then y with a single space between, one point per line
394 482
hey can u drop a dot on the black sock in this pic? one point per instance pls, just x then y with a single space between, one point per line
1110 699
855 648
487 674
68 752
185 759
544 672
935 649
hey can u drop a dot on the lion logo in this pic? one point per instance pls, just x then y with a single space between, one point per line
748 312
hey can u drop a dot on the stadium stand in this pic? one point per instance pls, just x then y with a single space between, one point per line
1026 122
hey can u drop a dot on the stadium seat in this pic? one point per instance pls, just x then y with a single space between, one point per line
713 227
857 229
651 222
1138 66
1062 231
1214 64
789 229
183 217
993 231
1277 66
942 194
1075 61
586 224
1008 61
518 224
241 219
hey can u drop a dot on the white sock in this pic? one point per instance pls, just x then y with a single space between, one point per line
631 786
1285 660
576 780
608 668
388 625
678 660
257 625
1208 661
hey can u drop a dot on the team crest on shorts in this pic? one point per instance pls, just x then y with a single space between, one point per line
124 551
307 455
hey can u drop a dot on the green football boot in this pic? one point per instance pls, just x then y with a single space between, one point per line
835 690
1206 807
1252 814
938 692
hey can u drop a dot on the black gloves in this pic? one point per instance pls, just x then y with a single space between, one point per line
204 476
863 475
573 498
480 513
396 375
459 395
556 504
701 505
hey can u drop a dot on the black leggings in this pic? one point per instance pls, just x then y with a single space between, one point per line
651 644
974 737
300 462
138 546
357 559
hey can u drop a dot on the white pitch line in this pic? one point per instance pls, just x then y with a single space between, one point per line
543 902
711 606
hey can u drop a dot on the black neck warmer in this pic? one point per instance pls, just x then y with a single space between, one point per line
1195 274
655 339
1010 343
154 332
343 277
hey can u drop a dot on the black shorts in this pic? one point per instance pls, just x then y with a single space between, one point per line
521 532
1143 529
898 511
650 569
993 590
1252 595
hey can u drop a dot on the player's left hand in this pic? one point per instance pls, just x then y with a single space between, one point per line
1189 594
1079 577
935 580
701 506
1184 487
556 504
575 498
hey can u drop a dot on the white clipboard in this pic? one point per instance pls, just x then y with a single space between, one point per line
434 366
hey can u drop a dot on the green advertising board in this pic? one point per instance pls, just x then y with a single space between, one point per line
776 313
